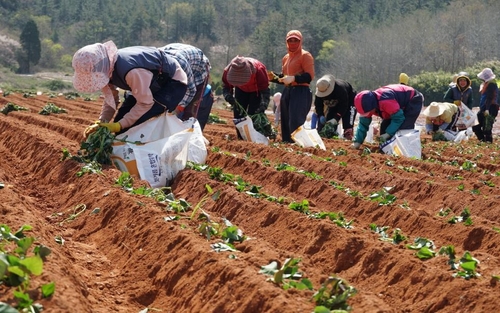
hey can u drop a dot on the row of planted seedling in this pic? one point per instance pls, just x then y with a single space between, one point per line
334 291
288 276
383 197
49 108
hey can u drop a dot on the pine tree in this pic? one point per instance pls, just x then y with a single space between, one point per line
31 47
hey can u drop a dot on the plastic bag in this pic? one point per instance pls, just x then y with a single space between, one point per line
456 136
404 143
308 138
165 125
247 131
159 148
466 119
157 162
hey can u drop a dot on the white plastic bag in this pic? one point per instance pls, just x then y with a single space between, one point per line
467 118
308 138
340 129
165 125
159 148
157 161
123 157
404 143
456 136
247 131
370 138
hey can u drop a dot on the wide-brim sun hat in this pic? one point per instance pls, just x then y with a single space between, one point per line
325 85
486 75
92 65
434 110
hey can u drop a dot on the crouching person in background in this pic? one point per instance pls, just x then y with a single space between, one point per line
245 86
440 116
398 105
334 100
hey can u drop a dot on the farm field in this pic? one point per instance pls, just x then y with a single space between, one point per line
354 215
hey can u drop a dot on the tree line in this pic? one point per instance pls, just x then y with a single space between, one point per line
365 42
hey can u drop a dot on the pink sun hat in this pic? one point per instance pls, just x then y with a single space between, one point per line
93 66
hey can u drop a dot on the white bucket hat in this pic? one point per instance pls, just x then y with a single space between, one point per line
486 75
93 66
325 85
434 110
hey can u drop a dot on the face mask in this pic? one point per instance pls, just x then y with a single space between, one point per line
293 44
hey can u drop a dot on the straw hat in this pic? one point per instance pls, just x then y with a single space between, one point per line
93 66
325 85
434 110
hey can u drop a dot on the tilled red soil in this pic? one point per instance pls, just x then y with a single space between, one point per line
127 257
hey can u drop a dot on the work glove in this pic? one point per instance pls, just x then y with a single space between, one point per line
287 80
384 137
90 129
333 122
486 113
322 120
356 145
458 102
272 76
113 127
262 108
230 99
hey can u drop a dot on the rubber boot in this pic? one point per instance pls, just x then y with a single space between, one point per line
478 131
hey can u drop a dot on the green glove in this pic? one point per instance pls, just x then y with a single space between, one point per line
384 137
113 127
90 129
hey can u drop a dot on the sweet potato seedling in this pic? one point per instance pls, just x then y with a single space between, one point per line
52 108
332 296
19 261
287 276
9 107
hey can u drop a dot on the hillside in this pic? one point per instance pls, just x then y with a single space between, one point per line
126 257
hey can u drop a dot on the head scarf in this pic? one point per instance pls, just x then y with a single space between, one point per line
294 47
93 65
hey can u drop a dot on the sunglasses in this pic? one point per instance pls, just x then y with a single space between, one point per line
293 40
